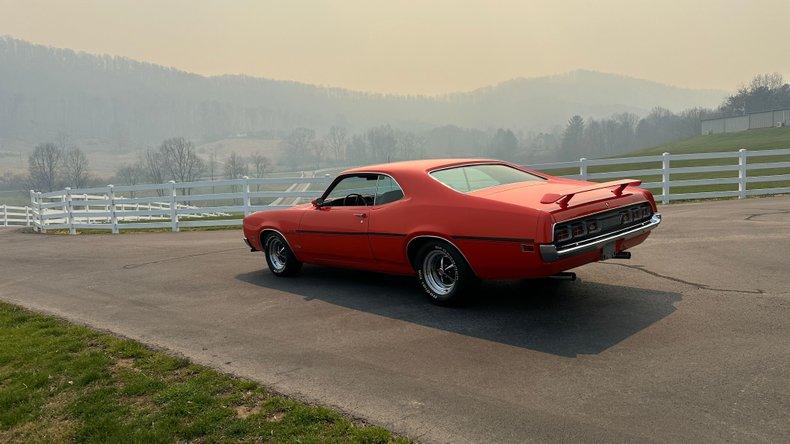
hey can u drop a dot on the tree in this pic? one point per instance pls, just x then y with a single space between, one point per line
74 167
212 164
43 166
180 159
130 174
504 144
235 166
572 137
336 141
298 145
764 92
382 144
154 167
260 164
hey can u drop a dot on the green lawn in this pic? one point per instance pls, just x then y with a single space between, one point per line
753 140
757 139
62 382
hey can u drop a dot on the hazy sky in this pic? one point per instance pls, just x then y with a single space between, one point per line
424 46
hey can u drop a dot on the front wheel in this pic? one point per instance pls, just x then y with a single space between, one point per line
444 274
279 256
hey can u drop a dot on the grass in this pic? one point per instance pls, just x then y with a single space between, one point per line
63 382
753 140
757 139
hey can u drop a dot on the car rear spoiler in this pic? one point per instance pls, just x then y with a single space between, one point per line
564 198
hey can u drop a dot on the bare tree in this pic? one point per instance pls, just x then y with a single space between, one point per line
180 159
336 141
154 167
235 166
212 164
260 164
44 164
317 149
298 146
74 167
131 174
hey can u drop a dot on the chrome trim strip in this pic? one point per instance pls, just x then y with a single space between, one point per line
440 238
550 253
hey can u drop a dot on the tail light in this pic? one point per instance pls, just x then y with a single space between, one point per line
562 233
593 226
578 230
625 218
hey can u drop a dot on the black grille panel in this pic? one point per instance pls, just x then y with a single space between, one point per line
577 230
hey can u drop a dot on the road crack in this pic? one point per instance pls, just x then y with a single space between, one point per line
698 285
171 259
767 213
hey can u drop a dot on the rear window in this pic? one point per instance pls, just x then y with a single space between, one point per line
476 177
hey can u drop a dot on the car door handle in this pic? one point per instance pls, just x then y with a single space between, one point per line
361 215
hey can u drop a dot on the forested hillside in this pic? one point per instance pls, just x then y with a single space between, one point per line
48 91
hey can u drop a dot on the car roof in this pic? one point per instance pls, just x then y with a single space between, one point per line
416 165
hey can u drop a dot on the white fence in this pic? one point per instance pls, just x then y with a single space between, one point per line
173 206
15 216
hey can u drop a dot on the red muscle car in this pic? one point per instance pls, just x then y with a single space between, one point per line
453 221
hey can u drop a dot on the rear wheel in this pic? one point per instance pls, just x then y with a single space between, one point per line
279 256
444 274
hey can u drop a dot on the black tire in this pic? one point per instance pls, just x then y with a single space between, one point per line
457 286
284 262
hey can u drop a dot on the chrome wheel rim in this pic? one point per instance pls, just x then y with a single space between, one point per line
440 272
277 254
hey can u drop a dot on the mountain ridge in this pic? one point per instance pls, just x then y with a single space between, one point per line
45 91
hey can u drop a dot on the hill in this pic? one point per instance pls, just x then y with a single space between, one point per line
757 139
45 91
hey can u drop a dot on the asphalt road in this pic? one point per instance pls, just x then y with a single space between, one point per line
688 341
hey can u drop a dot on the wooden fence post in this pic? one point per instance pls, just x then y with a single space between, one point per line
27 216
665 178
173 207
113 214
742 173
5 215
246 195
69 212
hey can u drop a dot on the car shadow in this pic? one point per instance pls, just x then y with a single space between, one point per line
564 318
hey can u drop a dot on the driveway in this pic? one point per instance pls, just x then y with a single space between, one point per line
688 341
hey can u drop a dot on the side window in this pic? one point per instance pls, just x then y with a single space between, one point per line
358 190
387 190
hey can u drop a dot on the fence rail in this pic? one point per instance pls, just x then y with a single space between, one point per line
671 177
15 216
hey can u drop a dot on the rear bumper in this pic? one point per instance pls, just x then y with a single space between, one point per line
551 253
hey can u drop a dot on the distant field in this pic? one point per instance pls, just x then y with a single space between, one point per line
241 146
